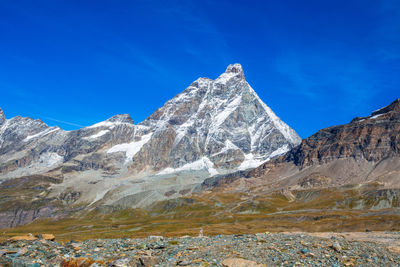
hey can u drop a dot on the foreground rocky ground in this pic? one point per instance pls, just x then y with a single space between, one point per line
266 249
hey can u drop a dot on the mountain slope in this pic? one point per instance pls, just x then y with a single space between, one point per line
366 150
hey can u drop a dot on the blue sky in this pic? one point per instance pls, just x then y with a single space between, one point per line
315 63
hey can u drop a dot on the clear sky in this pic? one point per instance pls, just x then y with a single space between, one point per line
315 63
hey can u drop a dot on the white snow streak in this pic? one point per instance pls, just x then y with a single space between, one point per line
224 114
41 134
202 164
109 124
376 116
101 133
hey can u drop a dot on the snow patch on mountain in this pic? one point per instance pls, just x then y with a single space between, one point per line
131 149
250 162
202 164
50 159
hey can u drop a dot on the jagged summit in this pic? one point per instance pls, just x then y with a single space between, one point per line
234 68
234 72
2 117
387 112
123 118
394 106
120 119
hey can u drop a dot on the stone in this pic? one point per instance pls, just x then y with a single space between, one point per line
304 250
28 237
2 252
49 237
156 237
336 246
23 251
148 260
394 249
183 263
121 263
238 262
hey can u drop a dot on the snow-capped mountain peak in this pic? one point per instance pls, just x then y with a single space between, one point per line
232 71
223 120
235 68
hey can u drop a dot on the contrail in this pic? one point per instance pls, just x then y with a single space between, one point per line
64 122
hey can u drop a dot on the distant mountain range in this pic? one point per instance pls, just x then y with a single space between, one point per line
216 153
214 127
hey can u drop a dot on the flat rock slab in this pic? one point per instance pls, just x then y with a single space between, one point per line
238 262
23 238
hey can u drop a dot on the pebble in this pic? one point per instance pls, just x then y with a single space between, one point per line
304 250
336 246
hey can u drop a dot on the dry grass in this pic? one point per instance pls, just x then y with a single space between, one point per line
222 214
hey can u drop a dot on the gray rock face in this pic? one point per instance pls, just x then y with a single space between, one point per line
2 117
213 127
28 146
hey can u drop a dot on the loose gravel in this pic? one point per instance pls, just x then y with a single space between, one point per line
265 249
